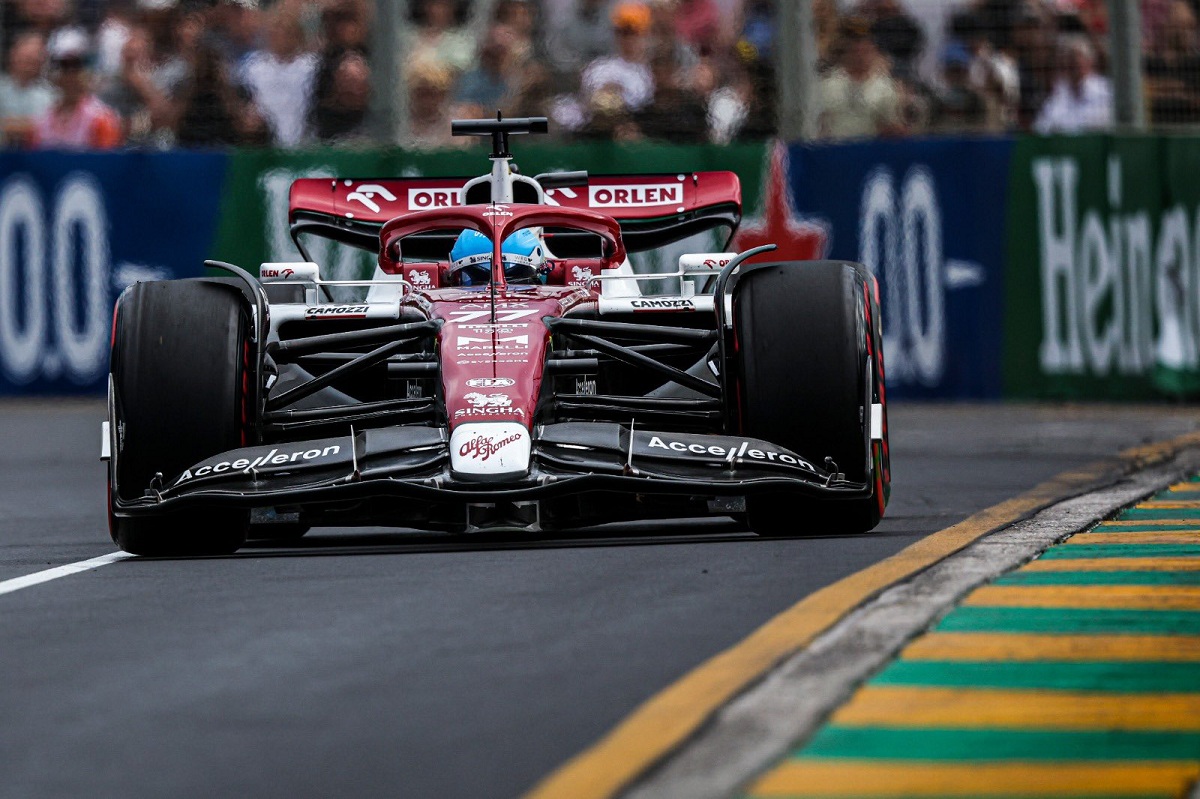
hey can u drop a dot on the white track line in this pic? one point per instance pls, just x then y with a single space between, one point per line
37 578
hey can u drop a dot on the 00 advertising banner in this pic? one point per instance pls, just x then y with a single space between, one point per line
75 229
927 217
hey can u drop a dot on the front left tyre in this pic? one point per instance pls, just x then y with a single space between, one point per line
181 380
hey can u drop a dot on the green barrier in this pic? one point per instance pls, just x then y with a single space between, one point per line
253 226
1102 290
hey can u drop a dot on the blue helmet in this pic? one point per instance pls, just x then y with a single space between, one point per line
471 258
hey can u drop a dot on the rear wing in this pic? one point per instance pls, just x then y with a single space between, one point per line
653 210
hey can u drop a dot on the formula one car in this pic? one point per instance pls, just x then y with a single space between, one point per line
504 371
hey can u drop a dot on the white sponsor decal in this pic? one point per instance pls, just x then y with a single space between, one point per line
581 275
733 453
489 448
501 316
497 210
366 194
272 458
635 195
491 382
420 278
335 312
433 198
489 411
486 343
483 447
488 400
663 305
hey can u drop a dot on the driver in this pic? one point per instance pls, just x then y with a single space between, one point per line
523 254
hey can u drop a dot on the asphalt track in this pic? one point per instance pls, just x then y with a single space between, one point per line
381 664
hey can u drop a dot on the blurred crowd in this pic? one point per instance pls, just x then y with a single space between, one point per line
298 73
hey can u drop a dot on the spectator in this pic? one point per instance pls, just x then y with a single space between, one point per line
428 105
111 36
896 34
36 16
174 69
1173 71
518 17
341 116
698 22
132 92
958 107
858 97
24 94
207 108
482 90
665 46
585 36
280 79
334 113
234 28
678 112
627 72
436 40
758 30
78 119
1081 99
1033 42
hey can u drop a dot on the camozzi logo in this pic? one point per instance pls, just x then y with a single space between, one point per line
663 305
336 312
483 447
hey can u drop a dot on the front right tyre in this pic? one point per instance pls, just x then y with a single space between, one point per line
809 369
181 381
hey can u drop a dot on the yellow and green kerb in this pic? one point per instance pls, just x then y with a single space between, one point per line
1077 675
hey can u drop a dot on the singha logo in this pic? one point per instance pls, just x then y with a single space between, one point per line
581 275
488 400
420 279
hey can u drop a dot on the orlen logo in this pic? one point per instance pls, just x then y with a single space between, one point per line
491 382
433 198
366 194
635 195
483 447
281 274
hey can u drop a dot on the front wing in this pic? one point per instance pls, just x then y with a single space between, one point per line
413 462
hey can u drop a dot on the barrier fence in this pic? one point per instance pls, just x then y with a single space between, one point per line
1030 267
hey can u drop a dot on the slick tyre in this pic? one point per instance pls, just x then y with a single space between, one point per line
806 341
181 375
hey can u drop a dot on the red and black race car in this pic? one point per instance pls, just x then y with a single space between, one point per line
573 396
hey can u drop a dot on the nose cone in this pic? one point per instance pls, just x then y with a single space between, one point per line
489 451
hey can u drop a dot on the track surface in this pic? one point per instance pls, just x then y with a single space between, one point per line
376 664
